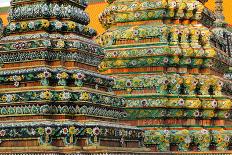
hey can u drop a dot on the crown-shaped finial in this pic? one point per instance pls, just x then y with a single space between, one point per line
220 18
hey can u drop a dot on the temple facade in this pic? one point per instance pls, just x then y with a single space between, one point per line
169 58
158 80
52 99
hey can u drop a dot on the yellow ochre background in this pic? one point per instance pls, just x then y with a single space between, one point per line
94 9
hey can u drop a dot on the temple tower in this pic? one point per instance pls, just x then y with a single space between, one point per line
161 54
222 37
52 100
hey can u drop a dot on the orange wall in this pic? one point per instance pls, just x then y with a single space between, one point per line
95 9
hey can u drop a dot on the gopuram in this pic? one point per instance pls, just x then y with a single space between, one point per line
52 100
172 62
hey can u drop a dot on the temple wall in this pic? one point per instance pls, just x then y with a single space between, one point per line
94 10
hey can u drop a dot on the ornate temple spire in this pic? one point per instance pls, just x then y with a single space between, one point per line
221 36
51 41
220 18
160 53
